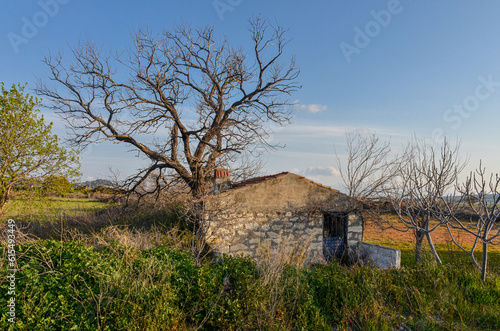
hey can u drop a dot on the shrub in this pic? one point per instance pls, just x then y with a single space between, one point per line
56 184
54 287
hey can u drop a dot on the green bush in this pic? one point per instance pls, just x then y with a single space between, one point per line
56 184
54 288
138 292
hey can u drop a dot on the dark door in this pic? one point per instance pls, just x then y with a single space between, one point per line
334 235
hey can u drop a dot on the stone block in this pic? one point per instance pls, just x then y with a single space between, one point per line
252 225
238 248
310 231
271 234
379 256
300 226
357 229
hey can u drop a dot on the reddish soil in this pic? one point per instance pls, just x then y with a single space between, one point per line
374 232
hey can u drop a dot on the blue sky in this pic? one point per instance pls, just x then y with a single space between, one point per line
393 67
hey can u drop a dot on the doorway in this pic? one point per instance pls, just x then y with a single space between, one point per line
334 235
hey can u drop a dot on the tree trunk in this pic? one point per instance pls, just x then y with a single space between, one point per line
3 201
197 185
419 238
484 262
433 249
3 209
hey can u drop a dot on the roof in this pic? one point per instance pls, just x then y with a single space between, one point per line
257 180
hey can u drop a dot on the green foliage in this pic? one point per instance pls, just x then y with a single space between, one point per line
54 288
28 149
106 190
67 285
59 185
82 189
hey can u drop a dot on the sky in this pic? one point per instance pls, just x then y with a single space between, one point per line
396 68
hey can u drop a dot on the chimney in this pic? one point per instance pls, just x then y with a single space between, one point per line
222 181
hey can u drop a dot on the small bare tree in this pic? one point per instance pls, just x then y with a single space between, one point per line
186 100
480 198
424 177
368 166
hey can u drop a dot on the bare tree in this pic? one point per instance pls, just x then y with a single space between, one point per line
114 178
368 166
480 196
424 177
185 99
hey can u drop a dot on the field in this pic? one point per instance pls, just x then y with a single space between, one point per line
382 235
140 271
53 208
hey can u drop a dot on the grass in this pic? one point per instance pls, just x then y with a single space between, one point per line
52 208
449 254
447 250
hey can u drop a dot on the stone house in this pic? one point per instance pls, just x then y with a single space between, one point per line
281 211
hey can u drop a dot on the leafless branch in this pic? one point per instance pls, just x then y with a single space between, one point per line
368 167
423 179
185 99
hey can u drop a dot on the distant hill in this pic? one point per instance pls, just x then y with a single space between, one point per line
91 184
490 198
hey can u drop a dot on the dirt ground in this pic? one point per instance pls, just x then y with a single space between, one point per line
374 232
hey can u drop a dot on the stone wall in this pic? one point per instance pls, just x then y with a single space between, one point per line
284 212
251 233
287 192
354 229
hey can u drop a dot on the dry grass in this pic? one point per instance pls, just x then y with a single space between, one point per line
271 261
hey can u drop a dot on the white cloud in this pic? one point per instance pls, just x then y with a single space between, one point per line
312 108
321 171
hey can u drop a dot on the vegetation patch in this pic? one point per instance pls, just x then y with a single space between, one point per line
114 286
